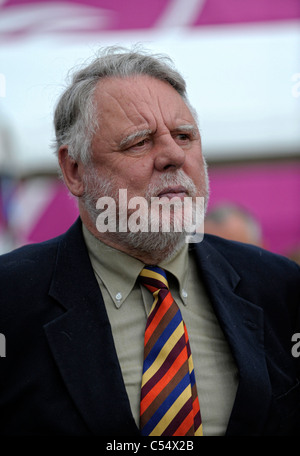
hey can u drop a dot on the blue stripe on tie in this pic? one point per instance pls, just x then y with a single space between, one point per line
162 410
193 378
157 270
167 333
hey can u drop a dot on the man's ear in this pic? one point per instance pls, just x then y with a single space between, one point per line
72 172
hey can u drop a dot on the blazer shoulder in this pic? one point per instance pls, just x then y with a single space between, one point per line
26 269
252 258
261 272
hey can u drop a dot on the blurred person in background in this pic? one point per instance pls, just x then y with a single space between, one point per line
74 309
235 223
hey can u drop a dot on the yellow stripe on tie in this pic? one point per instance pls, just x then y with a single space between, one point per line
154 275
199 431
172 412
153 305
163 354
191 364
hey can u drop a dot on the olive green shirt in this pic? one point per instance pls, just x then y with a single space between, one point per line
128 304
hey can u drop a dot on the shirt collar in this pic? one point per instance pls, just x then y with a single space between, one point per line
119 271
178 266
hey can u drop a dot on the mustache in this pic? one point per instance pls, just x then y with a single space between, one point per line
171 179
96 187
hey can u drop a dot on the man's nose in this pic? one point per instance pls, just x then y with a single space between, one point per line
168 154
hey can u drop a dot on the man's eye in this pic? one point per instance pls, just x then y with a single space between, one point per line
140 143
183 137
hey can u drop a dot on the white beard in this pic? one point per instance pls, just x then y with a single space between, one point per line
160 243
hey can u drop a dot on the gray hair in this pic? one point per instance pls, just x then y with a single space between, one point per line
75 119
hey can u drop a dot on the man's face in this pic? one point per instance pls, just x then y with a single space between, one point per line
147 143
146 132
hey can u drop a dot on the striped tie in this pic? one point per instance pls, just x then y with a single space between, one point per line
169 399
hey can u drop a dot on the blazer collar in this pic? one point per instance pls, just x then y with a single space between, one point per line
243 326
82 344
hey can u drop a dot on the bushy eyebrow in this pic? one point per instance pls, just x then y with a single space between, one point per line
141 134
130 139
189 128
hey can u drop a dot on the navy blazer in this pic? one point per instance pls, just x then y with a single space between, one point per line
61 374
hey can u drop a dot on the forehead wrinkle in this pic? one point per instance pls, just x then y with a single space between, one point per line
114 104
182 110
113 101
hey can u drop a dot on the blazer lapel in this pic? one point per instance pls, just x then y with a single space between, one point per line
82 344
242 323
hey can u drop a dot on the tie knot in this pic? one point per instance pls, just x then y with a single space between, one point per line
154 278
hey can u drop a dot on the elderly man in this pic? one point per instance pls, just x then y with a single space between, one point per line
116 331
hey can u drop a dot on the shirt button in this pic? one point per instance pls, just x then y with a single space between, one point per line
184 293
119 296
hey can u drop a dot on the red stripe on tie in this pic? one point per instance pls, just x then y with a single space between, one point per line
161 384
164 306
163 369
185 426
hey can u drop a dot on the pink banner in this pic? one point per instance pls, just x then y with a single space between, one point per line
19 18
270 192
218 12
